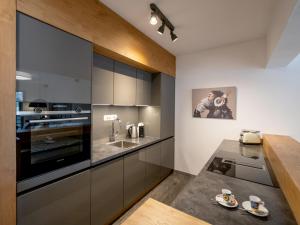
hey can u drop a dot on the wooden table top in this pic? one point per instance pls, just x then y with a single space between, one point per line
283 153
153 212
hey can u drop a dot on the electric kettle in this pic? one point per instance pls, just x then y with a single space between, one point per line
132 131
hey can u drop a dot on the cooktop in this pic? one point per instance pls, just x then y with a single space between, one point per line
241 161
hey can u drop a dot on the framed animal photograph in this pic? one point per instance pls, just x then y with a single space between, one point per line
217 103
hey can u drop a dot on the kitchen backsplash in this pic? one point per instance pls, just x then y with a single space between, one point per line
150 116
102 129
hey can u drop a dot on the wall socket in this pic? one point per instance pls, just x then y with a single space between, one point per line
110 117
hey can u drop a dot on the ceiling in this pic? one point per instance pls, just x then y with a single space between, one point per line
199 24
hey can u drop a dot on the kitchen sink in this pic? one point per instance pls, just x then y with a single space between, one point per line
123 144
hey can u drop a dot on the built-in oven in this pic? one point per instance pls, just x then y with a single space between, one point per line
50 137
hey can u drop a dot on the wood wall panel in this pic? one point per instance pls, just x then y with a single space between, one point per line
7 112
283 153
111 35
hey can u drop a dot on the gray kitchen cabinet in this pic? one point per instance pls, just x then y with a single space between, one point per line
134 177
163 95
55 64
167 108
102 80
64 202
167 157
143 88
153 165
124 84
106 192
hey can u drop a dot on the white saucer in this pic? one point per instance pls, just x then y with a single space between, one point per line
262 210
221 201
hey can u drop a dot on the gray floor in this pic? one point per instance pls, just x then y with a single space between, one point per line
165 192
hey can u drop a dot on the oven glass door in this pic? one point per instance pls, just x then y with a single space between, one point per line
51 143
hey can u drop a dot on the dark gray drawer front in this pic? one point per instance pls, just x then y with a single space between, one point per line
64 202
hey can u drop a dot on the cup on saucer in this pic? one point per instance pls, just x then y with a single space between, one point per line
255 202
228 197
255 206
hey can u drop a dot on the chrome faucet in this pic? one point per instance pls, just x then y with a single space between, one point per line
113 135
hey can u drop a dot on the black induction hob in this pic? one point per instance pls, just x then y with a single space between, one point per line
247 163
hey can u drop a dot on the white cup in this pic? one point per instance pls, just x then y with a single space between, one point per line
227 195
255 202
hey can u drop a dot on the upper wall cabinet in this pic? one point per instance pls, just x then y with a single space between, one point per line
103 80
124 84
143 88
115 83
52 65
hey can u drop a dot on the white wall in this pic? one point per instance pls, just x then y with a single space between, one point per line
282 11
267 100
283 34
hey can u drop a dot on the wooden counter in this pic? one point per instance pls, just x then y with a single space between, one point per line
283 153
153 212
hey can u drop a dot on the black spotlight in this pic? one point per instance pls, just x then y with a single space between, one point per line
157 14
161 29
173 36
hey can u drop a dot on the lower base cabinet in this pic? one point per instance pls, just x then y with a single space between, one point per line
63 202
153 165
106 192
167 157
99 195
134 177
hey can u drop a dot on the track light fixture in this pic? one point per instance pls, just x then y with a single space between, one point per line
153 18
173 36
161 29
156 13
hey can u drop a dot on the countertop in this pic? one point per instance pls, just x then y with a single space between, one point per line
103 152
197 197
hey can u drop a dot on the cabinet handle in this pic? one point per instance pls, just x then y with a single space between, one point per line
58 120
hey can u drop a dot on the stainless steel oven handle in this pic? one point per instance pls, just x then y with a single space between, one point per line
58 120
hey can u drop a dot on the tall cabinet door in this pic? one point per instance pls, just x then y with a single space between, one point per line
147 88
106 192
63 202
124 84
167 156
134 177
139 87
167 103
153 167
143 88
52 65
102 80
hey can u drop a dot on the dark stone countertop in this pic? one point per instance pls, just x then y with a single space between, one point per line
103 152
196 198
